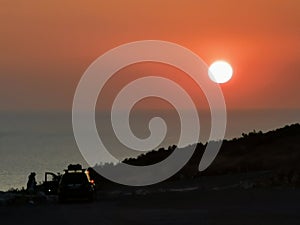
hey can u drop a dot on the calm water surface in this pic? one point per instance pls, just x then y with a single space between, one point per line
43 142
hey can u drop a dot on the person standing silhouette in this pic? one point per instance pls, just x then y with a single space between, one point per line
31 184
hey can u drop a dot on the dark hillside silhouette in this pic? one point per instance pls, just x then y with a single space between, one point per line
277 151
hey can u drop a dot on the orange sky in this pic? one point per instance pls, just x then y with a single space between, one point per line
47 45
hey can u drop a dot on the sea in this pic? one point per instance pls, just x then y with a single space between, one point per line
44 142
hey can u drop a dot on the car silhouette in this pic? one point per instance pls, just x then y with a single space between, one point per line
76 184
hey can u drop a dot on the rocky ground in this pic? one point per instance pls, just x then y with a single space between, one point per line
227 206
231 199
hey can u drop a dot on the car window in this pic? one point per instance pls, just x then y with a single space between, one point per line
74 178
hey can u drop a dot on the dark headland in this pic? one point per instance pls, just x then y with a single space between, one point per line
255 179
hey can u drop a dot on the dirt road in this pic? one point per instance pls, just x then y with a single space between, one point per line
234 206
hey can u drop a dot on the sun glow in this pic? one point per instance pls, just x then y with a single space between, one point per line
220 71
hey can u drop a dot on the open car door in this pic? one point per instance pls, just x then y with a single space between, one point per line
51 183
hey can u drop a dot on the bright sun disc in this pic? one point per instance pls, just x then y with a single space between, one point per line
220 72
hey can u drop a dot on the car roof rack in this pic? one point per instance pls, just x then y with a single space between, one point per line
72 168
